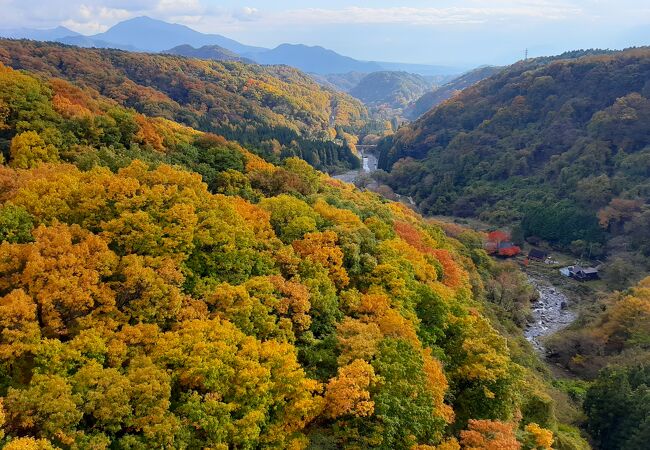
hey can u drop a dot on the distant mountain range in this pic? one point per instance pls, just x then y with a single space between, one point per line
151 35
89 42
51 34
313 59
145 33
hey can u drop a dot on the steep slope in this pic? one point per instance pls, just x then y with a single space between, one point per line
552 141
278 110
153 35
213 52
265 306
394 89
312 59
448 90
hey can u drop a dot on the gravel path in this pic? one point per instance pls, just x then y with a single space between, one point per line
551 313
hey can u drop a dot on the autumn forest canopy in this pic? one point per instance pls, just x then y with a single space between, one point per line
165 287
177 270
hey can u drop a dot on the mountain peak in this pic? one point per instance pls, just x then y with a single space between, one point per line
148 23
214 52
62 29
156 35
314 59
143 19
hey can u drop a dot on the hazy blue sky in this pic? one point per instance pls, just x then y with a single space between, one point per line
466 32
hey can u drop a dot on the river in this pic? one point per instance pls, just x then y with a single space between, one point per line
369 165
551 313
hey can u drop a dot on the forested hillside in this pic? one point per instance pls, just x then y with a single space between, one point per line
161 287
394 89
340 81
278 111
213 52
439 94
560 144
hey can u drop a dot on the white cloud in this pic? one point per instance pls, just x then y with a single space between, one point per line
472 12
247 14
184 7
89 16
428 16
130 5
92 19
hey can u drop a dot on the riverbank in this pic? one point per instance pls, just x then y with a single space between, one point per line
369 164
550 314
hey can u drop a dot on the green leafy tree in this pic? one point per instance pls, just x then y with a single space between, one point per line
16 224
618 407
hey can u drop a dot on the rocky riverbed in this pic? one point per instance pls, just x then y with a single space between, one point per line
551 313
369 165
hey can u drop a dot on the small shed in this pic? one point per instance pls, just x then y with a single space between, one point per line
586 274
580 273
537 254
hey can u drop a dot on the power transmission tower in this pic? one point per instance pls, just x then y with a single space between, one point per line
526 55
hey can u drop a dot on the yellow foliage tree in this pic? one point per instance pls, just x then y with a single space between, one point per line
538 438
28 443
20 332
321 248
489 435
347 394
28 149
357 340
627 320
62 271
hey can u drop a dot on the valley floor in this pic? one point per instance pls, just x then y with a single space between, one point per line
369 165
551 313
